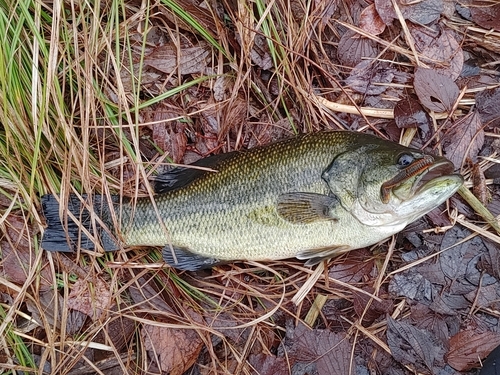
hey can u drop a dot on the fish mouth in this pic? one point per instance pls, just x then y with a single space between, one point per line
441 168
424 172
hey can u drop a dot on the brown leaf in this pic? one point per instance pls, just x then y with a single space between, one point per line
439 49
370 21
353 48
419 12
191 60
422 12
91 297
385 10
488 106
268 364
331 351
173 350
260 53
17 256
436 91
466 139
467 347
354 268
486 14
412 346
370 77
409 113
375 308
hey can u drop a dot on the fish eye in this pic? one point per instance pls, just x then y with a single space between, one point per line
404 160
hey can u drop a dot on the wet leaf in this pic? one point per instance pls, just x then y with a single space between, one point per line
370 77
422 12
412 346
330 351
260 53
90 296
467 347
16 253
173 350
411 285
439 49
409 113
465 140
375 308
486 14
353 268
436 91
191 60
268 364
370 21
488 106
451 260
353 48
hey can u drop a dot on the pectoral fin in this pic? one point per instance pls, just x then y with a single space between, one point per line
315 256
186 260
306 208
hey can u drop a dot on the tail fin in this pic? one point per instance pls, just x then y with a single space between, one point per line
64 234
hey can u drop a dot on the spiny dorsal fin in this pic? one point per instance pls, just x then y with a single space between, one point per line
179 177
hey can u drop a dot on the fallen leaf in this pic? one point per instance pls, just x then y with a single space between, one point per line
419 12
330 351
465 140
439 50
353 48
451 260
170 60
370 77
411 285
488 106
375 309
468 347
486 14
260 53
409 113
90 296
370 21
412 346
422 12
17 256
268 364
353 268
436 91
173 350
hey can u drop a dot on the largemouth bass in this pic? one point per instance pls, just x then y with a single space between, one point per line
311 197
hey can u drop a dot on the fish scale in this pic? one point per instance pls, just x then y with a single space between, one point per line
311 197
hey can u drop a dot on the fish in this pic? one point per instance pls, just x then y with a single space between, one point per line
313 196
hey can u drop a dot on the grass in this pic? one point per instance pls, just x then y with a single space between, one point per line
77 101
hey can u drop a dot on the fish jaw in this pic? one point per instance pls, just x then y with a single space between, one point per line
412 197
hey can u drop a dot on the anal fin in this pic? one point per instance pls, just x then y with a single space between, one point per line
186 260
315 256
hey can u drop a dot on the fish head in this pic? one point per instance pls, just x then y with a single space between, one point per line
390 184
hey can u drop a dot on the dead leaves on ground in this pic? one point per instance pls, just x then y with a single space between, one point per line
434 315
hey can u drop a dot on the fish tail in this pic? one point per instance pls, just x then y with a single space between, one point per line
66 235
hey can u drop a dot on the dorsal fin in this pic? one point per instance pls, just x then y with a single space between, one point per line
180 177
